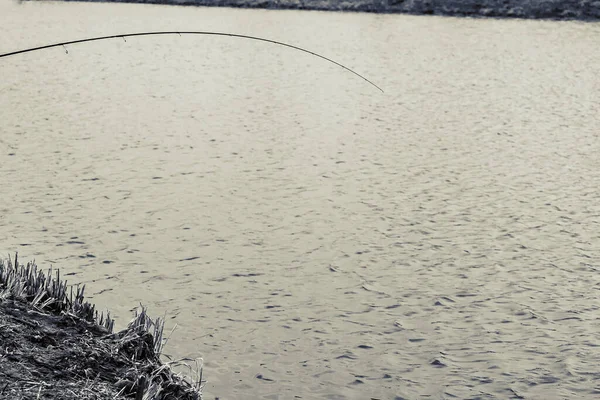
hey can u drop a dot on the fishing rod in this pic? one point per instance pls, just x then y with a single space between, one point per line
234 35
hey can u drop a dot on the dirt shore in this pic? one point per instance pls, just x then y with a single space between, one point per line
533 9
55 347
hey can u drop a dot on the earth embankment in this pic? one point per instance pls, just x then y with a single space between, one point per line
533 9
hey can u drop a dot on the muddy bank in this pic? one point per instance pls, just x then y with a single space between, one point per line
536 9
54 346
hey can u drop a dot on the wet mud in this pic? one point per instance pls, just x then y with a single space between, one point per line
536 9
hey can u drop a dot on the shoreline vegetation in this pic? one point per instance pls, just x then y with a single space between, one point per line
586 10
54 345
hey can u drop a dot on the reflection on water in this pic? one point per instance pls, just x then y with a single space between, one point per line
309 235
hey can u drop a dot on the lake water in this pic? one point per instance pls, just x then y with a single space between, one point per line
310 236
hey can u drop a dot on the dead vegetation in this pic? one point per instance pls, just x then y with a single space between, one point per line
54 345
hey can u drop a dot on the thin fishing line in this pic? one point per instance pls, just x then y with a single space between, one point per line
234 35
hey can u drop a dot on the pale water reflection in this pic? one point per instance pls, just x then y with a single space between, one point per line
311 237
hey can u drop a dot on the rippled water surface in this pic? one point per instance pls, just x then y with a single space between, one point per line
310 236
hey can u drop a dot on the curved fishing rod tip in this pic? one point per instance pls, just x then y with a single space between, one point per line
180 33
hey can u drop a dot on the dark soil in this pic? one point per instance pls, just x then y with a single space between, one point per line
538 9
49 357
53 346
44 356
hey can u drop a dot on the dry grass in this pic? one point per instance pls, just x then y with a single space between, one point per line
56 346
45 292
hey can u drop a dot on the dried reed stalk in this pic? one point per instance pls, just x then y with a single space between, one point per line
139 345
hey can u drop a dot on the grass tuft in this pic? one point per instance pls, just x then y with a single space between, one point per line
56 346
